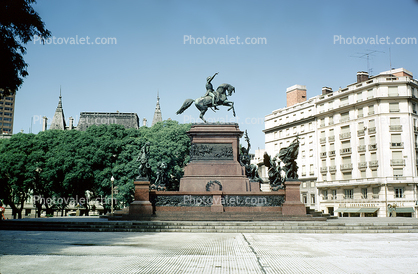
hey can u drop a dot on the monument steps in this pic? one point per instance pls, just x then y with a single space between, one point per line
210 226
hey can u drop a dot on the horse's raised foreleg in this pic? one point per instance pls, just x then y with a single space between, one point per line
230 103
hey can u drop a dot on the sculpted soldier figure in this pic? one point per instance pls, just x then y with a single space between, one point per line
143 158
209 89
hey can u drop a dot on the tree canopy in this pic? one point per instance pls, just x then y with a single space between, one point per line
19 23
57 163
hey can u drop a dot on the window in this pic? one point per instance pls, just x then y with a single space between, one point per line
303 154
311 169
345 144
397 172
347 175
287 132
348 193
323 134
393 91
395 121
304 171
345 117
311 153
375 191
362 173
312 198
361 141
360 113
325 194
393 107
399 192
331 120
359 97
344 101
362 158
414 108
364 193
304 198
310 139
323 148
369 94
372 123
371 109
345 129
397 155
334 194
324 163
373 139
310 126
396 140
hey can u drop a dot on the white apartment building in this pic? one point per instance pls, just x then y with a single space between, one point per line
358 145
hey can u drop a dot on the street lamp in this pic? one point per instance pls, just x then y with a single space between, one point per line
112 179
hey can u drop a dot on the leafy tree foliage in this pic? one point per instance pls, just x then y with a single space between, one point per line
19 23
54 163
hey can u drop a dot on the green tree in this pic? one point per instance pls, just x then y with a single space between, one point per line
16 171
19 23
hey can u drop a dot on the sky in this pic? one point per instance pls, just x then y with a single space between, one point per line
138 49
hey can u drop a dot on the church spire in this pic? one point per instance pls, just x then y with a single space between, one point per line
157 113
58 121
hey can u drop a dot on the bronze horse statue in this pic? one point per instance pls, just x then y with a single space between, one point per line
205 102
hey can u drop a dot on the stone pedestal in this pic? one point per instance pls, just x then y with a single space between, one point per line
292 205
214 157
141 205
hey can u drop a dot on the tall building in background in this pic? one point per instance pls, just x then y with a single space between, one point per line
157 113
7 107
358 152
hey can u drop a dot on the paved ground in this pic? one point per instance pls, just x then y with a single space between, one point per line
126 252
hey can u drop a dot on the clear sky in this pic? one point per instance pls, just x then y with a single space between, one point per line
302 42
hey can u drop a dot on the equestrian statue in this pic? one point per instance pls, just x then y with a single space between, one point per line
211 99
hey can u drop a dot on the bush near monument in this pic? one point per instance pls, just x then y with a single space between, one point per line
57 164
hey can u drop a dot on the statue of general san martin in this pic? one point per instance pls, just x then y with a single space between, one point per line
211 99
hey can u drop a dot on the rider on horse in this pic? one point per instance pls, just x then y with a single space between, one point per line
209 90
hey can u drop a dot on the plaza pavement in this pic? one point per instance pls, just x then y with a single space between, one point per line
133 252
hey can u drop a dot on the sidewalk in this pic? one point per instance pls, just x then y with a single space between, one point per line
129 252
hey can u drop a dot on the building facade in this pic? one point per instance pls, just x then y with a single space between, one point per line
87 119
7 108
358 148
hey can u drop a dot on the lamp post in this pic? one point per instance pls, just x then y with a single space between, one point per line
112 179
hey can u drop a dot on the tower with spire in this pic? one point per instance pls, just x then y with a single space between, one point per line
157 113
58 121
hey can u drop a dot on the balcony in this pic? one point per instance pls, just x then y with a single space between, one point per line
361 148
331 153
345 151
372 147
323 155
396 145
397 162
331 138
395 128
374 163
362 165
360 132
345 167
332 168
371 130
360 116
375 196
371 112
346 135
322 140
324 169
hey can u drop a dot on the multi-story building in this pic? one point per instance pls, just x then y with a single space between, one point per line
358 153
7 107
